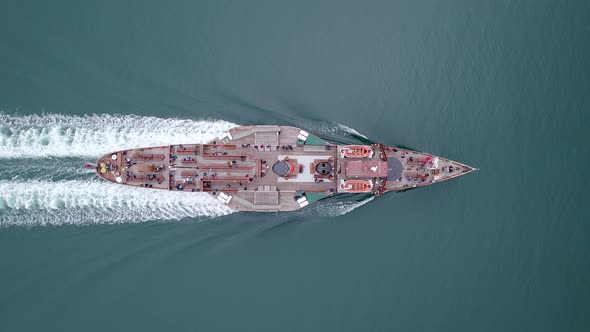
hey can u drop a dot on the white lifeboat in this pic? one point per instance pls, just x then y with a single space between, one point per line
356 151
356 186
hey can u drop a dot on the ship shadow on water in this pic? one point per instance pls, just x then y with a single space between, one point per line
323 210
327 209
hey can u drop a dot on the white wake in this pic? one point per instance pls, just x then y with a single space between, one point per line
33 136
341 208
333 208
346 129
32 203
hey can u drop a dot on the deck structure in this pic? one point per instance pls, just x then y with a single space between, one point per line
275 168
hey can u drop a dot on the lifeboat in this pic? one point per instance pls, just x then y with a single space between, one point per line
356 151
356 186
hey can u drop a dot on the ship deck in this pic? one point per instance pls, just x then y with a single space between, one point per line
237 168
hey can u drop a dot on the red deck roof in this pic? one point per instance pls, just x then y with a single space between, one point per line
365 168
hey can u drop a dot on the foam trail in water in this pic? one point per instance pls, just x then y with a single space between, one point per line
92 135
333 132
54 169
34 203
335 209
331 208
338 128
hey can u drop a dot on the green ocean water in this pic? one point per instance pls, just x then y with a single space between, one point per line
499 85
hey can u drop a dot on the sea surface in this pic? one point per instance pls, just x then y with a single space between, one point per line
503 86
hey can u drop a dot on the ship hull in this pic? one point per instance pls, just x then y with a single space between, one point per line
274 168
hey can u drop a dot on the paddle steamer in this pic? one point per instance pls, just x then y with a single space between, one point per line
275 168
